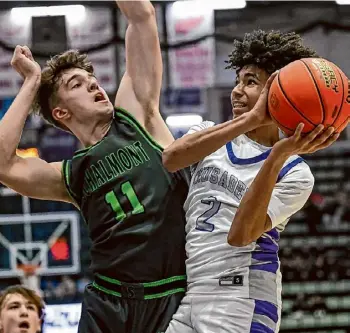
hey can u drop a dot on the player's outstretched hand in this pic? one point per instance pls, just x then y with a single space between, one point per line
260 109
23 62
299 144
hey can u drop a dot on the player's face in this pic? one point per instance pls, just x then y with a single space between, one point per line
249 83
19 315
80 94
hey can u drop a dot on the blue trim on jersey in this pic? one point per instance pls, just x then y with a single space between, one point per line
260 328
266 309
288 167
243 161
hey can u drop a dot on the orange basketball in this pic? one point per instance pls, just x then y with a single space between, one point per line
312 91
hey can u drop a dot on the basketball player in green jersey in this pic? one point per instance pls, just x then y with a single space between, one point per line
133 207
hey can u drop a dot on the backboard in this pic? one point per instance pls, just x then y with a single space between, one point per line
48 240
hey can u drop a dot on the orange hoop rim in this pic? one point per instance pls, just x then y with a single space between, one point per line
28 269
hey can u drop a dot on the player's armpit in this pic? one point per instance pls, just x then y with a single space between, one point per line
147 115
35 178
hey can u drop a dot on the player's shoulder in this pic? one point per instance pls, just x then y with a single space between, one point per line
296 169
201 126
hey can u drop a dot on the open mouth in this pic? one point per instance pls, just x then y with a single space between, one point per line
24 325
100 98
238 105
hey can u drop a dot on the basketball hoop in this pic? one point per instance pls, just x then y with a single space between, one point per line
29 277
28 269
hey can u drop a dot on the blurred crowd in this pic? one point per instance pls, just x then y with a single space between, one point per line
65 289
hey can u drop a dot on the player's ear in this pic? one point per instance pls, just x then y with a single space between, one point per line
60 114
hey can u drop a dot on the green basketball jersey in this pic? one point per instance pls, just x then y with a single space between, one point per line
132 205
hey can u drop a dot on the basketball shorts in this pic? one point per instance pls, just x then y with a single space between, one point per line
111 306
224 314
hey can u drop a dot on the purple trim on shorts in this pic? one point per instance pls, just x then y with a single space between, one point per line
260 328
274 234
271 267
266 244
266 309
265 256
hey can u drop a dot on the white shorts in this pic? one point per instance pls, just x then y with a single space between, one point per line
224 314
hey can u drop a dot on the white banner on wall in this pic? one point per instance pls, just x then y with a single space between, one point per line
91 28
192 66
62 318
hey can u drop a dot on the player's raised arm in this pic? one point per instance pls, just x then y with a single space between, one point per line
140 86
192 148
259 206
31 177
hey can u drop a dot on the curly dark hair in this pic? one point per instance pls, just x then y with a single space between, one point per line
46 98
268 50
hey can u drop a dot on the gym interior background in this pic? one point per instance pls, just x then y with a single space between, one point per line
45 244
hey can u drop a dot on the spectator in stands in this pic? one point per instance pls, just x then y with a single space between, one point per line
317 306
337 210
300 306
69 288
21 310
313 212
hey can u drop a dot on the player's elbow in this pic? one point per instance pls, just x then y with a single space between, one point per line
169 159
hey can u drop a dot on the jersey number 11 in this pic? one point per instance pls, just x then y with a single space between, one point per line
128 190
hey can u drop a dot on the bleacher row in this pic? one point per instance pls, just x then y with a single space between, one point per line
315 253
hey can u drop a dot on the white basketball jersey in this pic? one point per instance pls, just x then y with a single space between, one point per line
218 185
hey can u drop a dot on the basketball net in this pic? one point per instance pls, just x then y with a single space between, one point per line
30 278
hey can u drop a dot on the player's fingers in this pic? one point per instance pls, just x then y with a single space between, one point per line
323 137
270 80
298 131
327 143
313 135
16 53
262 101
27 52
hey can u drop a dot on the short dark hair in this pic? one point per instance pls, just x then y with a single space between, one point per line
27 293
46 97
268 50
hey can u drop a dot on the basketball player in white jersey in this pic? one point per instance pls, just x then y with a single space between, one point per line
247 181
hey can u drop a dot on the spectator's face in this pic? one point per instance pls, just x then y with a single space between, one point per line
19 315
342 198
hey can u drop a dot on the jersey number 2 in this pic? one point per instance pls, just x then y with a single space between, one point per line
128 190
202 223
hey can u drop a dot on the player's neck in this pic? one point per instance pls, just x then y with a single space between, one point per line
266 135
92 134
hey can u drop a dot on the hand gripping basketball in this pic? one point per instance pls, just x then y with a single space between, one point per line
299 144
260 109
312 91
